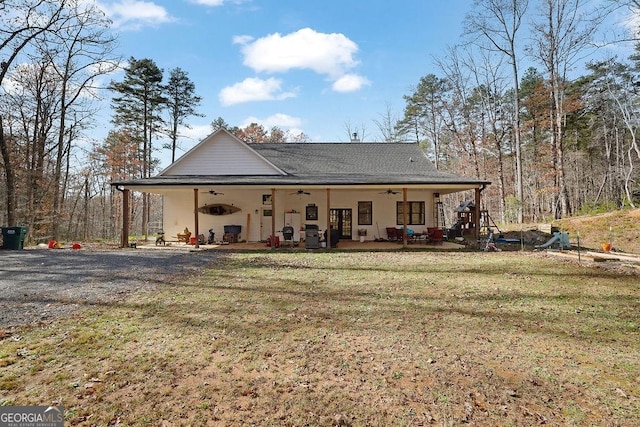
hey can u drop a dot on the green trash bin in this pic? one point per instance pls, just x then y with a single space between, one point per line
13 237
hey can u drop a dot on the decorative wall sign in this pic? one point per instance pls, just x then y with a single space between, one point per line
312 213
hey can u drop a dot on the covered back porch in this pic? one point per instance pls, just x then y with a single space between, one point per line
359 214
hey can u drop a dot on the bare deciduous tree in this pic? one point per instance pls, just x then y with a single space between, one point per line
562 34
354 133
58 49
498 22
21 23
387 126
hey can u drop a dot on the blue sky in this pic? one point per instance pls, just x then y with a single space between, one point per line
314 66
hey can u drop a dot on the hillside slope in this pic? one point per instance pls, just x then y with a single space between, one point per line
621 227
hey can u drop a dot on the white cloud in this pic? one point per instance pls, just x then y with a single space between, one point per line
209 2
289 124
134 14
196 132
350 83
241 39
330 54
253 89
10 86
632 22
283 121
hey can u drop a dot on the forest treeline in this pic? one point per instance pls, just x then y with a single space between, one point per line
557 137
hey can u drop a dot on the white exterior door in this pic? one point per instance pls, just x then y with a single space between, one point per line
265 223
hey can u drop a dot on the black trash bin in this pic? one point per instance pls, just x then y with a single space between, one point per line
13 237
335 237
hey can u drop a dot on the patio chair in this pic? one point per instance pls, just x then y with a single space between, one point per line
436 235
394 234
184 236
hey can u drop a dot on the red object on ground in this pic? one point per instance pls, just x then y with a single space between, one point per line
76 246
192 241
275 240
52 244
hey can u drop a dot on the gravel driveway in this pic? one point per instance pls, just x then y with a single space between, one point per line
36 285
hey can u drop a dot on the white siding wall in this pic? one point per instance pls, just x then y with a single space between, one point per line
178 211
384 208
221 154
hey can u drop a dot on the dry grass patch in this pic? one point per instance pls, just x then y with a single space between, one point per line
622 228
347 339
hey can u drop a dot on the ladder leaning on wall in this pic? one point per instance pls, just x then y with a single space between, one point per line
440 221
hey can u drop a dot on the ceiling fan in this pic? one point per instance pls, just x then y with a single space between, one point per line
213 193
301 192
389 191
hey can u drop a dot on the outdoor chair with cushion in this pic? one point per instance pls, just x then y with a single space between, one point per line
394 234
436 235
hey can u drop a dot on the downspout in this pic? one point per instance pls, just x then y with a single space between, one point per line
124 237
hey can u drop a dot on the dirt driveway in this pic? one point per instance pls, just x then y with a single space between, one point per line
36 285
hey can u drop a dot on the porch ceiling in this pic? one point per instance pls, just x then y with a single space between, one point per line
444 183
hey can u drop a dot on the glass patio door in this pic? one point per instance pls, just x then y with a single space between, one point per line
341 219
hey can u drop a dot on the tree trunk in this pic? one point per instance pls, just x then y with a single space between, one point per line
9 176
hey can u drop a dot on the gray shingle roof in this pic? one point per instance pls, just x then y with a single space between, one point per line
333 164
347 158
355 162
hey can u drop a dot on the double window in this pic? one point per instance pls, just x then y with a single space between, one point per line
415 213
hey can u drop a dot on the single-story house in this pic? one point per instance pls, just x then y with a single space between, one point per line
359 189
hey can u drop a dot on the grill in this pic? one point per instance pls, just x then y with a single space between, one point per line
311 236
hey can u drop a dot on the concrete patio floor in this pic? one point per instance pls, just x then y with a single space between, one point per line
342 245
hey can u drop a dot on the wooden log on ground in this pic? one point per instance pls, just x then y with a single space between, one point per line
613 257
565 254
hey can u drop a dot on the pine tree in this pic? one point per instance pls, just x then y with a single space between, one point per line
137 108
181 102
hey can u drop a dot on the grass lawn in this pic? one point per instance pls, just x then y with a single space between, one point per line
361 339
